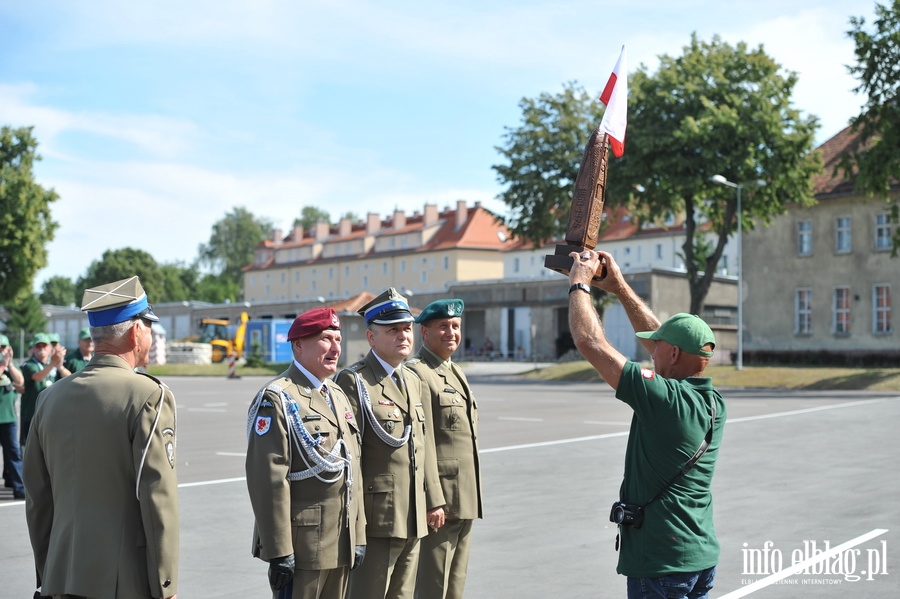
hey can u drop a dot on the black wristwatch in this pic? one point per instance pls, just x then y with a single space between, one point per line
581 286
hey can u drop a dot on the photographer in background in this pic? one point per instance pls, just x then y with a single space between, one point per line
665 515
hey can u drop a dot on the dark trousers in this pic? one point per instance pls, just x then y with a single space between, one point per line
12 458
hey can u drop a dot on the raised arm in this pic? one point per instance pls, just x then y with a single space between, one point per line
640 316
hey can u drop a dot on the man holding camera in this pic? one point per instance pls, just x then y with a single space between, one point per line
665 516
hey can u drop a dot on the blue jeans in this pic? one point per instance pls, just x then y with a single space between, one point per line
12 458
684 585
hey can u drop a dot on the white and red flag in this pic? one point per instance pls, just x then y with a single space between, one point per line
615 98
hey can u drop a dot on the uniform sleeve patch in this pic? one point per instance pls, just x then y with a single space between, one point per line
647 374
263 424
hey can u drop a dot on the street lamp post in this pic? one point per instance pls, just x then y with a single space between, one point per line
740 270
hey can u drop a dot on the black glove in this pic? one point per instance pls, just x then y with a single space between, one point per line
281 572
359 556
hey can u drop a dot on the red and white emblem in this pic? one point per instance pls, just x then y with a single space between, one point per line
335 322
647 374
263 424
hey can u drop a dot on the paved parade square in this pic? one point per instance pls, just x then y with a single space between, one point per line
802 475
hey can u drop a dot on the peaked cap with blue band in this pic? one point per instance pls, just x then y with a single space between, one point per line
388 308
116 302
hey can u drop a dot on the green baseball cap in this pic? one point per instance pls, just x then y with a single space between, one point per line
54 337
686 331
84 333
4 340
40 338
446 308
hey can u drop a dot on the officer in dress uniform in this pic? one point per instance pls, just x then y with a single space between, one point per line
453 416
402 492
101 493
303 469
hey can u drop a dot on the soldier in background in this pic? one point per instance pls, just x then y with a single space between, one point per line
453 418
303 469
101 496
403 496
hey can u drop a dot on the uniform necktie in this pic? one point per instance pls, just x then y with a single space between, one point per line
399 380
324 390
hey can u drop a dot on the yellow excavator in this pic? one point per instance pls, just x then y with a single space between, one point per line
226 339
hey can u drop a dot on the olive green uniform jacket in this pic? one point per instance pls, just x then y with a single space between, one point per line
101 494
309 518
453 412
400 483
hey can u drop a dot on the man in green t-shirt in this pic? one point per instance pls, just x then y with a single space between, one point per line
43 367
666 534
77 360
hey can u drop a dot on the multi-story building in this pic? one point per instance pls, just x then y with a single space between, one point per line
424 252
819 280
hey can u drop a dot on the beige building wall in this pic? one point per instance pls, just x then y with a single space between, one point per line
775 270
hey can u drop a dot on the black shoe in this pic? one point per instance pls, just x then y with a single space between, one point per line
18 495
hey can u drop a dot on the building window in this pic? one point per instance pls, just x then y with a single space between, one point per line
346 272
424 277
881 309
365 282
840 314
804 238
330 273
842 239
883 231
402 266
515 265
446 262
384 268
803 312
659 251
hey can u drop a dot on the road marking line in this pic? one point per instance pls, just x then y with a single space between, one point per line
520 419
848 404
557 442
607 422
770 580
212 482
241 454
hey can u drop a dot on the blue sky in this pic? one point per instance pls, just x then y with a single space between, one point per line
156 119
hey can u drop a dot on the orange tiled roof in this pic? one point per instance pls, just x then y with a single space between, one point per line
832 180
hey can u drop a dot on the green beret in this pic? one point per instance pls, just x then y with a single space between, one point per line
447 308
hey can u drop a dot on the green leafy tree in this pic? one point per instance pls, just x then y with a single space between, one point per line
876 158
25 315
310 215
59 291
120 264
217 289
231 245
26 226
179 282
543 155
717 109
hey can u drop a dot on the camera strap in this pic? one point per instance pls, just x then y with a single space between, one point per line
694 458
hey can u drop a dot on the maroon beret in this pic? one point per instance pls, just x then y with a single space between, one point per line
313 322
